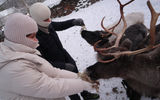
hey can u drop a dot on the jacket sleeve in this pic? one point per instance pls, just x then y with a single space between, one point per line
57 64
52 71
31 82
59 26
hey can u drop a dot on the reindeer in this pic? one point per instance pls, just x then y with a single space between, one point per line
134 34
133 55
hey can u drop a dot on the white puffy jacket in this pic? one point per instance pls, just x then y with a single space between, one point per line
26 76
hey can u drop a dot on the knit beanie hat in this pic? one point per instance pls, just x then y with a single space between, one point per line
18 26
40 12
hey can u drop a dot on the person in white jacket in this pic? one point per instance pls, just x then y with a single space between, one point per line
26 76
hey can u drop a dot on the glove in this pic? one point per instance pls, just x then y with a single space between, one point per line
78 22
69 66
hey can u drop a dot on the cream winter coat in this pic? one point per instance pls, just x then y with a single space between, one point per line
26 76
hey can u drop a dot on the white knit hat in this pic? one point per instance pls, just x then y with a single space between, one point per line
40 12
17 27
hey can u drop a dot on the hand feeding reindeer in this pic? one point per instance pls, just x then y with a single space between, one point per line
133 55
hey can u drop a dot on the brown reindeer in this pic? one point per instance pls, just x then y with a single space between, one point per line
133 37
133 55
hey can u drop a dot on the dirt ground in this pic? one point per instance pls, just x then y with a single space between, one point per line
67 6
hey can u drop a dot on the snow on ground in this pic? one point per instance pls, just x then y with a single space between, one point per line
51 3
84 54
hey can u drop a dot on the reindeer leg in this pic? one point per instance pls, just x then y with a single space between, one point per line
132 95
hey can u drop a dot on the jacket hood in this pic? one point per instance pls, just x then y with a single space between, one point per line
10 51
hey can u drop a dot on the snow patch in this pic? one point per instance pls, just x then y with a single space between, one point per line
51 3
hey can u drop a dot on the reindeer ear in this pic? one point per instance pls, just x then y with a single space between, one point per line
127 43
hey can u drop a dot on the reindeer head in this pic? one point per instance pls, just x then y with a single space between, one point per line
93 36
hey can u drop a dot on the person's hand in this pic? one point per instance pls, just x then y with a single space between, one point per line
78 22
96 86
84 77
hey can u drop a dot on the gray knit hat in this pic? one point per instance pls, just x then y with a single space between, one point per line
40 12
18 26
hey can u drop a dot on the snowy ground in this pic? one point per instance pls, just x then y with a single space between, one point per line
51 3
84 54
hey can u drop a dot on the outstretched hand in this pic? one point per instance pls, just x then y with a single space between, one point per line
78 22
95 84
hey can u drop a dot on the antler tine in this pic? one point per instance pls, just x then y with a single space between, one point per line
106 61
126 3
95 46
107 30
118 54
124 22
129 53
154 18
100 49
115 25
118 36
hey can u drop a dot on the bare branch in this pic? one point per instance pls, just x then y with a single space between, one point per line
26 5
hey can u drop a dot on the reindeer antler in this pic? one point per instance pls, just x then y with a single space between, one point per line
154 17
118 53
118 36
